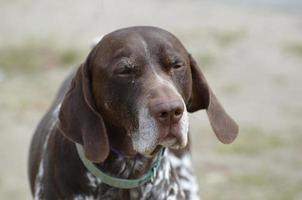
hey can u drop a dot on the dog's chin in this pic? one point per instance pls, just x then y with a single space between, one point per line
172 143
151 152
156 151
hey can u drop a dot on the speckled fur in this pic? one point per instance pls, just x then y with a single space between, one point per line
174 180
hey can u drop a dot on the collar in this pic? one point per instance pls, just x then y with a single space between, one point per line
120 182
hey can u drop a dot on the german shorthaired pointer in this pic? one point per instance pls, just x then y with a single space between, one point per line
106 133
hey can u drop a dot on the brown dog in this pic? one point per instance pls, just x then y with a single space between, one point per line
126 102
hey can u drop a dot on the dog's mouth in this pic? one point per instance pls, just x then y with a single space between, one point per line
156 150
168 142
152 135
173 136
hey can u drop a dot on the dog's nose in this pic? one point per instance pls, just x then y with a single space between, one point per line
167 112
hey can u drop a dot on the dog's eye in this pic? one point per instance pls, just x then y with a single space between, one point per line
125 70
177 65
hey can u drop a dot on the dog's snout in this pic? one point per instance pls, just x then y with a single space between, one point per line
167 112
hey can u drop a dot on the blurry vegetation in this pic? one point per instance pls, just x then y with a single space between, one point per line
208 45
205 60
231 88
272 186
279 80
289 193
31 56
260 178
294 48
253 140
70 56
227 38
224 38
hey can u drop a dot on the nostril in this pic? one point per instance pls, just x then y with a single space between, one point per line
178 112
167 113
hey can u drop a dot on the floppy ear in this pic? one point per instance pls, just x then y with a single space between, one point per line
202 97
79 120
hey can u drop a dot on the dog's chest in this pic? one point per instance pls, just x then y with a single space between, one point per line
174 180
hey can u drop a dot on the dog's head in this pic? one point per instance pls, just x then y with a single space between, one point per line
135 90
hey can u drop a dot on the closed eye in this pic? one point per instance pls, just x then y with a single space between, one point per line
125 71
174 63
177 65
125 68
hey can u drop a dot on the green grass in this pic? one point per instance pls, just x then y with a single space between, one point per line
279 80
227 38
32 56
206 60
253 140
211 43
259 178
271 186
231 88
290 192
294 48
70 55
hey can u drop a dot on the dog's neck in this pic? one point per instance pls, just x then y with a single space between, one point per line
122 161
118 165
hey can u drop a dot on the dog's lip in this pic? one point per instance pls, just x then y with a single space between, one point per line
156 150
165 143
168 140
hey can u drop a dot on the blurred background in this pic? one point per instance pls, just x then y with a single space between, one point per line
250 51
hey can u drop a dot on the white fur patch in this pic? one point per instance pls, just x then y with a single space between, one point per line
187 180
145 138
38 185
38 181
94 182
56 110
83 197
184 127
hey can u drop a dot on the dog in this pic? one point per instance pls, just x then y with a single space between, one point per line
118 128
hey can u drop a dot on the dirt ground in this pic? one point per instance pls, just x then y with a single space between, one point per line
251 55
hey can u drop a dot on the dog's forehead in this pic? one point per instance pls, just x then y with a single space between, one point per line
140 39
141 44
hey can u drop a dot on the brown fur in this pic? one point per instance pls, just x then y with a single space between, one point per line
99 109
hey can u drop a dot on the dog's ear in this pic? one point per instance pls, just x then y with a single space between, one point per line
202 97
79 120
